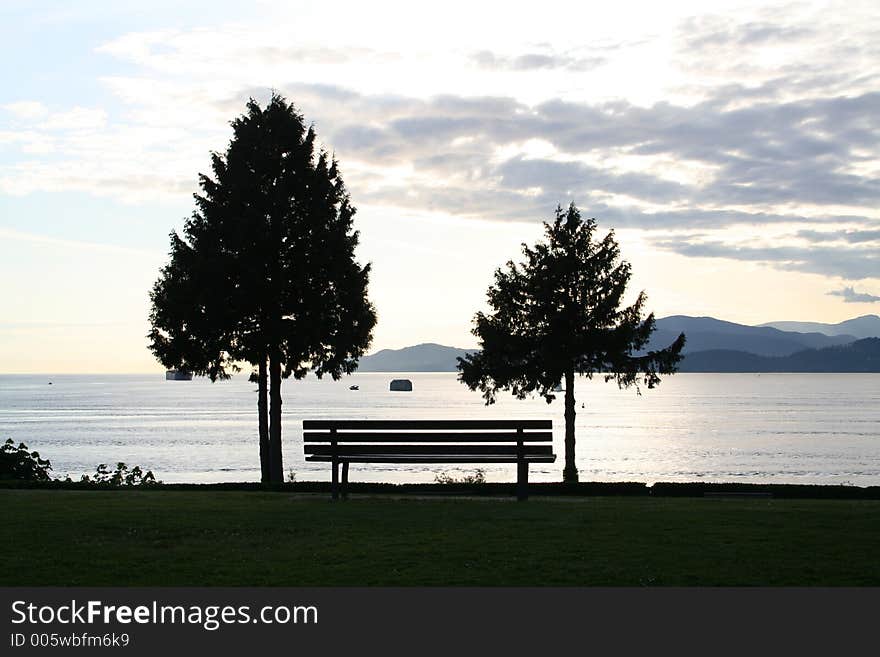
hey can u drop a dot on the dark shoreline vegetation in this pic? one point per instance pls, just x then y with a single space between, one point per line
21 468
19 464
490 489
167 536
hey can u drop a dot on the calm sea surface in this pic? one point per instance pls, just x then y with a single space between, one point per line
783 428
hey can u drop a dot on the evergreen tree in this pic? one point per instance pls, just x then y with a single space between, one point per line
559 314
265 271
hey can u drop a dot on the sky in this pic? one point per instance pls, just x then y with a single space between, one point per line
733 147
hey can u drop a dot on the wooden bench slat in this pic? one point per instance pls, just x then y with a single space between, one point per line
451 450
428 437
395 458
427 424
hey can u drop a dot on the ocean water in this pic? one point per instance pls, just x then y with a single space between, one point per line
776 428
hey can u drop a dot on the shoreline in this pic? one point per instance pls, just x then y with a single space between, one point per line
696 489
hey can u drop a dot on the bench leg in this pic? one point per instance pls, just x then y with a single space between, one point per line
522 480
345 480
334 480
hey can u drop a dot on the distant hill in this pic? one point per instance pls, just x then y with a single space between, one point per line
708 333
866 326
860 356
428 357
712 345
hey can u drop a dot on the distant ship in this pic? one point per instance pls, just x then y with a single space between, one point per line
178 375
353 387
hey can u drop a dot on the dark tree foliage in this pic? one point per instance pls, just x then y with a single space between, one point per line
122 475
559 314
265 271
17 462
21 464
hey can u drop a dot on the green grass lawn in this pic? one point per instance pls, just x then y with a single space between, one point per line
167 538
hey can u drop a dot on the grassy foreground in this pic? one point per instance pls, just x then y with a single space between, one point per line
170 538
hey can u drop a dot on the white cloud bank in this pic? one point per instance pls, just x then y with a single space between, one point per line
672 121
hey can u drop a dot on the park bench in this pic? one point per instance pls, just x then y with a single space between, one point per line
341 442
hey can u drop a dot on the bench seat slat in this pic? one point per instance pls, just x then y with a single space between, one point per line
394 458
428 437
507 425
453 450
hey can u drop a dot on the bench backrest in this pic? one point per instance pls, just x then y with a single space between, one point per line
428 437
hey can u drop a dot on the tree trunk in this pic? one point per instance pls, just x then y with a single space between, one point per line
263 411
570 473
276 467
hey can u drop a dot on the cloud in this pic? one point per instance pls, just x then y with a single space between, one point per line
30 142
33 238
800 152
787 52
579 179
52 326
536 61
768 163
851 296
851 236
26 109
849 263
76 118
799 157
748 139
233 47
743 163
711 33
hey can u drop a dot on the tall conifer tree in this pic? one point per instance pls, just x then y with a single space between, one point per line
558 314
265 271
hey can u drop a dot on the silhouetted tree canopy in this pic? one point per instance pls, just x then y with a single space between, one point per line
265 271
558 314
18 462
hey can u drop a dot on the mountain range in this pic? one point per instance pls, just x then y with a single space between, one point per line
713 345
428 357
708 333
866 326
859 356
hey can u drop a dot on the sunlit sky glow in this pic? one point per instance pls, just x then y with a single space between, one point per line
734 147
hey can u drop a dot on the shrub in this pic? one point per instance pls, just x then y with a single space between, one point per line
19 463
479 477
121 476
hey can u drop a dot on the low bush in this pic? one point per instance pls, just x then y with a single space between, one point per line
21 465
479 477
121 476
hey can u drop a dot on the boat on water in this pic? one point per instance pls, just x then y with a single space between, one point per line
178 375
354 387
